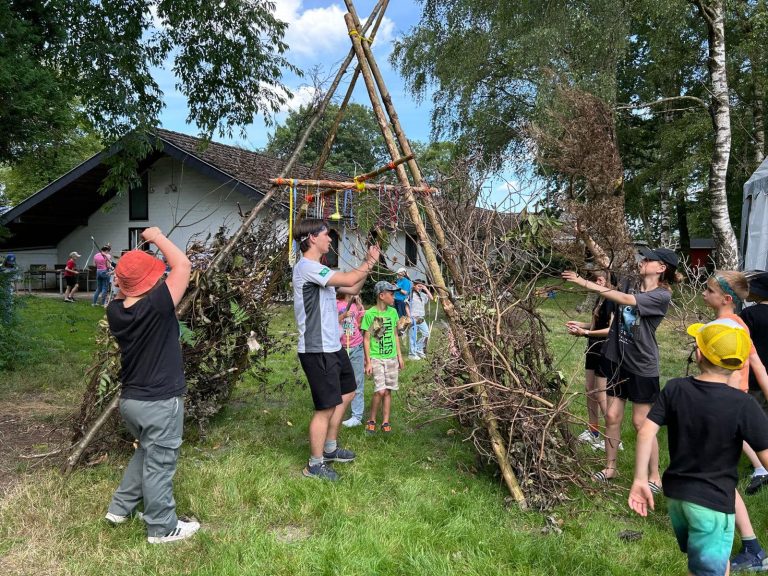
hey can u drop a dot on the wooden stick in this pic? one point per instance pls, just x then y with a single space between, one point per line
391 166
489 420
334 185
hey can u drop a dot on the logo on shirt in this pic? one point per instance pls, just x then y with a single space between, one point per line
324 271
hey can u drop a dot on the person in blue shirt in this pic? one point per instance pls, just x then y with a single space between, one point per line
402 296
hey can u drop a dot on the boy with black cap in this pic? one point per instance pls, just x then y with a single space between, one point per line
383 358
142 318
707 423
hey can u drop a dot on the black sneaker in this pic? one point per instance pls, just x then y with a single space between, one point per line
756 484
339 455
321 471
747 562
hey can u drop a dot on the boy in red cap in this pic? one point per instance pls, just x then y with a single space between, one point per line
142 319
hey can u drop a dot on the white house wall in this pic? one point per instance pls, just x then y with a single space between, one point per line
178 195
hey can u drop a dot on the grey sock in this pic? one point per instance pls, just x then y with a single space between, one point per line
315 461
330 446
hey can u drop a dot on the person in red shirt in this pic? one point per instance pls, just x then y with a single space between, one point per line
70 277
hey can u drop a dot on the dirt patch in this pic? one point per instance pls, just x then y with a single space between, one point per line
27 427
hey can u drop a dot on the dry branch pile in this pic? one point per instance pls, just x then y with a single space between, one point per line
500 256
223 332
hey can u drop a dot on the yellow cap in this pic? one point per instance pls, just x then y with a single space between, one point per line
723 342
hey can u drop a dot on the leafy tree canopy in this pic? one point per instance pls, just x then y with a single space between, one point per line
227 58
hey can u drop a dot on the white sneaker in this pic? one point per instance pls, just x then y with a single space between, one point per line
116 519
421 355
351 422
586 437
413 357
183 530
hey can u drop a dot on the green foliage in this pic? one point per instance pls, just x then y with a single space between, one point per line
49 160
227 58
358 147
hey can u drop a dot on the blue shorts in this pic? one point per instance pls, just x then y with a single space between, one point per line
705 535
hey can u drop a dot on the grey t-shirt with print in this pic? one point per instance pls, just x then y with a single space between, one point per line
631 340
418 302
314 305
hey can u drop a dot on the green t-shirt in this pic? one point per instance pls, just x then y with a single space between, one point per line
383 328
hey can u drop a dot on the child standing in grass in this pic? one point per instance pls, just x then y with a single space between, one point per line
707 423
351 311
724 292
383 358
143 321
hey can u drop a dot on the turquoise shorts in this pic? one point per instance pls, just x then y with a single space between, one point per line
705 535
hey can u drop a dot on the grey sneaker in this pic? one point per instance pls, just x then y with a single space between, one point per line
339 455
321 471
116 519
183 530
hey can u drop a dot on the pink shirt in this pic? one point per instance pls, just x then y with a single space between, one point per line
349 328
100 261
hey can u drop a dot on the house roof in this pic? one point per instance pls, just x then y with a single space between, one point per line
45 218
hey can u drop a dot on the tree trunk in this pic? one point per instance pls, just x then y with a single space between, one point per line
726 245
758 119
682 221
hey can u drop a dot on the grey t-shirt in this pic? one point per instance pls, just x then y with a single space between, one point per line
631 340
418 301
314 305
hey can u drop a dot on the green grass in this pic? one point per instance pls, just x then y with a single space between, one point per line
413 503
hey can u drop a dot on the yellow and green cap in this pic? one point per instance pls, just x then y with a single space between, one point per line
724 342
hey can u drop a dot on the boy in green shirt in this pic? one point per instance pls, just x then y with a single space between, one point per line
383 358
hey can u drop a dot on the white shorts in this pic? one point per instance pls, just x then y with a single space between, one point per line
385 372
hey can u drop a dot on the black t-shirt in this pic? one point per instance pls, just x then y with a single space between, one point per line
756 319
601 318
148 335
706 424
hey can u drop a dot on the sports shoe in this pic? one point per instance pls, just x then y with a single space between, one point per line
116 519
386 427
352 422
370 427
747 561
339 455
183 530
587 437
421 355
413 357
321 471
756 484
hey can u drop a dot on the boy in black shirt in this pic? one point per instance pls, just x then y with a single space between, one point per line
142 319
707 422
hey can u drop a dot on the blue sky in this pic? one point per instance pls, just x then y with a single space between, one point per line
317 37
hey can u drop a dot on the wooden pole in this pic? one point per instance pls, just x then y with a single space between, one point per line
489 419
391 166
381 7
405 146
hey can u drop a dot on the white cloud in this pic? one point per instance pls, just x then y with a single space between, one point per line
321 31
301 96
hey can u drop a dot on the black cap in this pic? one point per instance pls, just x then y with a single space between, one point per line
661 255
758 285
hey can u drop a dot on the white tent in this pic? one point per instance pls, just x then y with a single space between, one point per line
754 220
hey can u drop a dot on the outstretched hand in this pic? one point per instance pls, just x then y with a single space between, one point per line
640 498
570 276
374 252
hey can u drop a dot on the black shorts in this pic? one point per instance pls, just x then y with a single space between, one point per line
627 385
330 376
400 307
70 281
593 360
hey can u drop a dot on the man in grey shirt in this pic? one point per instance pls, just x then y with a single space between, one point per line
327 367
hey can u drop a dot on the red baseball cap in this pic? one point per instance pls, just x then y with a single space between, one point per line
137 272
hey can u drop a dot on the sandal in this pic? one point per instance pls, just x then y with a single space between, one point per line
370 427
655 488
602 478
386 427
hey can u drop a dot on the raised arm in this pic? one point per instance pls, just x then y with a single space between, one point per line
351 282
181 267
609 293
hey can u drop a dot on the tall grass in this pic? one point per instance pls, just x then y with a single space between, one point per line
418 502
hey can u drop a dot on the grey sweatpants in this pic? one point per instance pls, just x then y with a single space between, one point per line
158 425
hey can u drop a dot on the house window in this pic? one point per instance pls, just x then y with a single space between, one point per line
332 258
134 237
411 251
138 199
